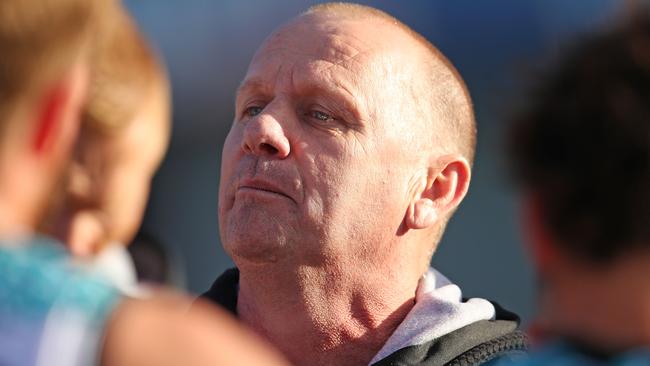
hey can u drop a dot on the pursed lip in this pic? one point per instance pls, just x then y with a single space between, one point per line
263 185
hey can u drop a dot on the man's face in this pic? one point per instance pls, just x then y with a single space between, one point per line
317 163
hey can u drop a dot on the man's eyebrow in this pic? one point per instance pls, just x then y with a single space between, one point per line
249 85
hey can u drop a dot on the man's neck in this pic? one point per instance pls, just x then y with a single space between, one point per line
19 194
318 316
12 227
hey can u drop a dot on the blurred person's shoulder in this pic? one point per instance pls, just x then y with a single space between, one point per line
56 312
569 354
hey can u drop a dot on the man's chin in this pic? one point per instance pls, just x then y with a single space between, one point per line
256 252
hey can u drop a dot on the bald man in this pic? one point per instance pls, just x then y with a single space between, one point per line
350 149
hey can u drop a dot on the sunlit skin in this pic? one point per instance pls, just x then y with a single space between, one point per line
324 181
317 121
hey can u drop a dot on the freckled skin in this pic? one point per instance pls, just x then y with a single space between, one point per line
313 101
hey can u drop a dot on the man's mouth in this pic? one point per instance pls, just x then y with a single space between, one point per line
262 186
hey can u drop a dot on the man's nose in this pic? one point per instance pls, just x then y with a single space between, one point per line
264 136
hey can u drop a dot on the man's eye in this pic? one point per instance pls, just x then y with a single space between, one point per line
321 116
253 111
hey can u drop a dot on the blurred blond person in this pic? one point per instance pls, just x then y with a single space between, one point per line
52 311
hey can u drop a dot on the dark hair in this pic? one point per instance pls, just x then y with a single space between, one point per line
582 147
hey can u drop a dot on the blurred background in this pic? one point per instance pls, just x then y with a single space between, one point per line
495 45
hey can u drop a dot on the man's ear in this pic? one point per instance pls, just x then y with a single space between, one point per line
441 191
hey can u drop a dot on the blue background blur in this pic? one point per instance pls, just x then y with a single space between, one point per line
494 44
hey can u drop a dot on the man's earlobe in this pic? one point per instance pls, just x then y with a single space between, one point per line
422 214
445 188
49 117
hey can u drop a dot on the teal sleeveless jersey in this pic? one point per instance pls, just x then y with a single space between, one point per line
51 311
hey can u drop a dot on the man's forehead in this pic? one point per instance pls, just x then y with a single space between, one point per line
332 45
333 41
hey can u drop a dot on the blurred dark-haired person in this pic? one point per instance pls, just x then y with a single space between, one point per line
581 153
52 312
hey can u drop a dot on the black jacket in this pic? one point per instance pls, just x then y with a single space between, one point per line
475 344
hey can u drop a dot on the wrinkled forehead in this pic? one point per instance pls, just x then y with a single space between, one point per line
361 47
327 39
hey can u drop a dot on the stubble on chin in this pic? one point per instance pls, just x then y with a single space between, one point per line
251 235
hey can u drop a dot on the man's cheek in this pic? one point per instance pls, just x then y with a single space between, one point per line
229 157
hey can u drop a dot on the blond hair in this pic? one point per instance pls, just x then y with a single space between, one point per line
123 71
39 40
